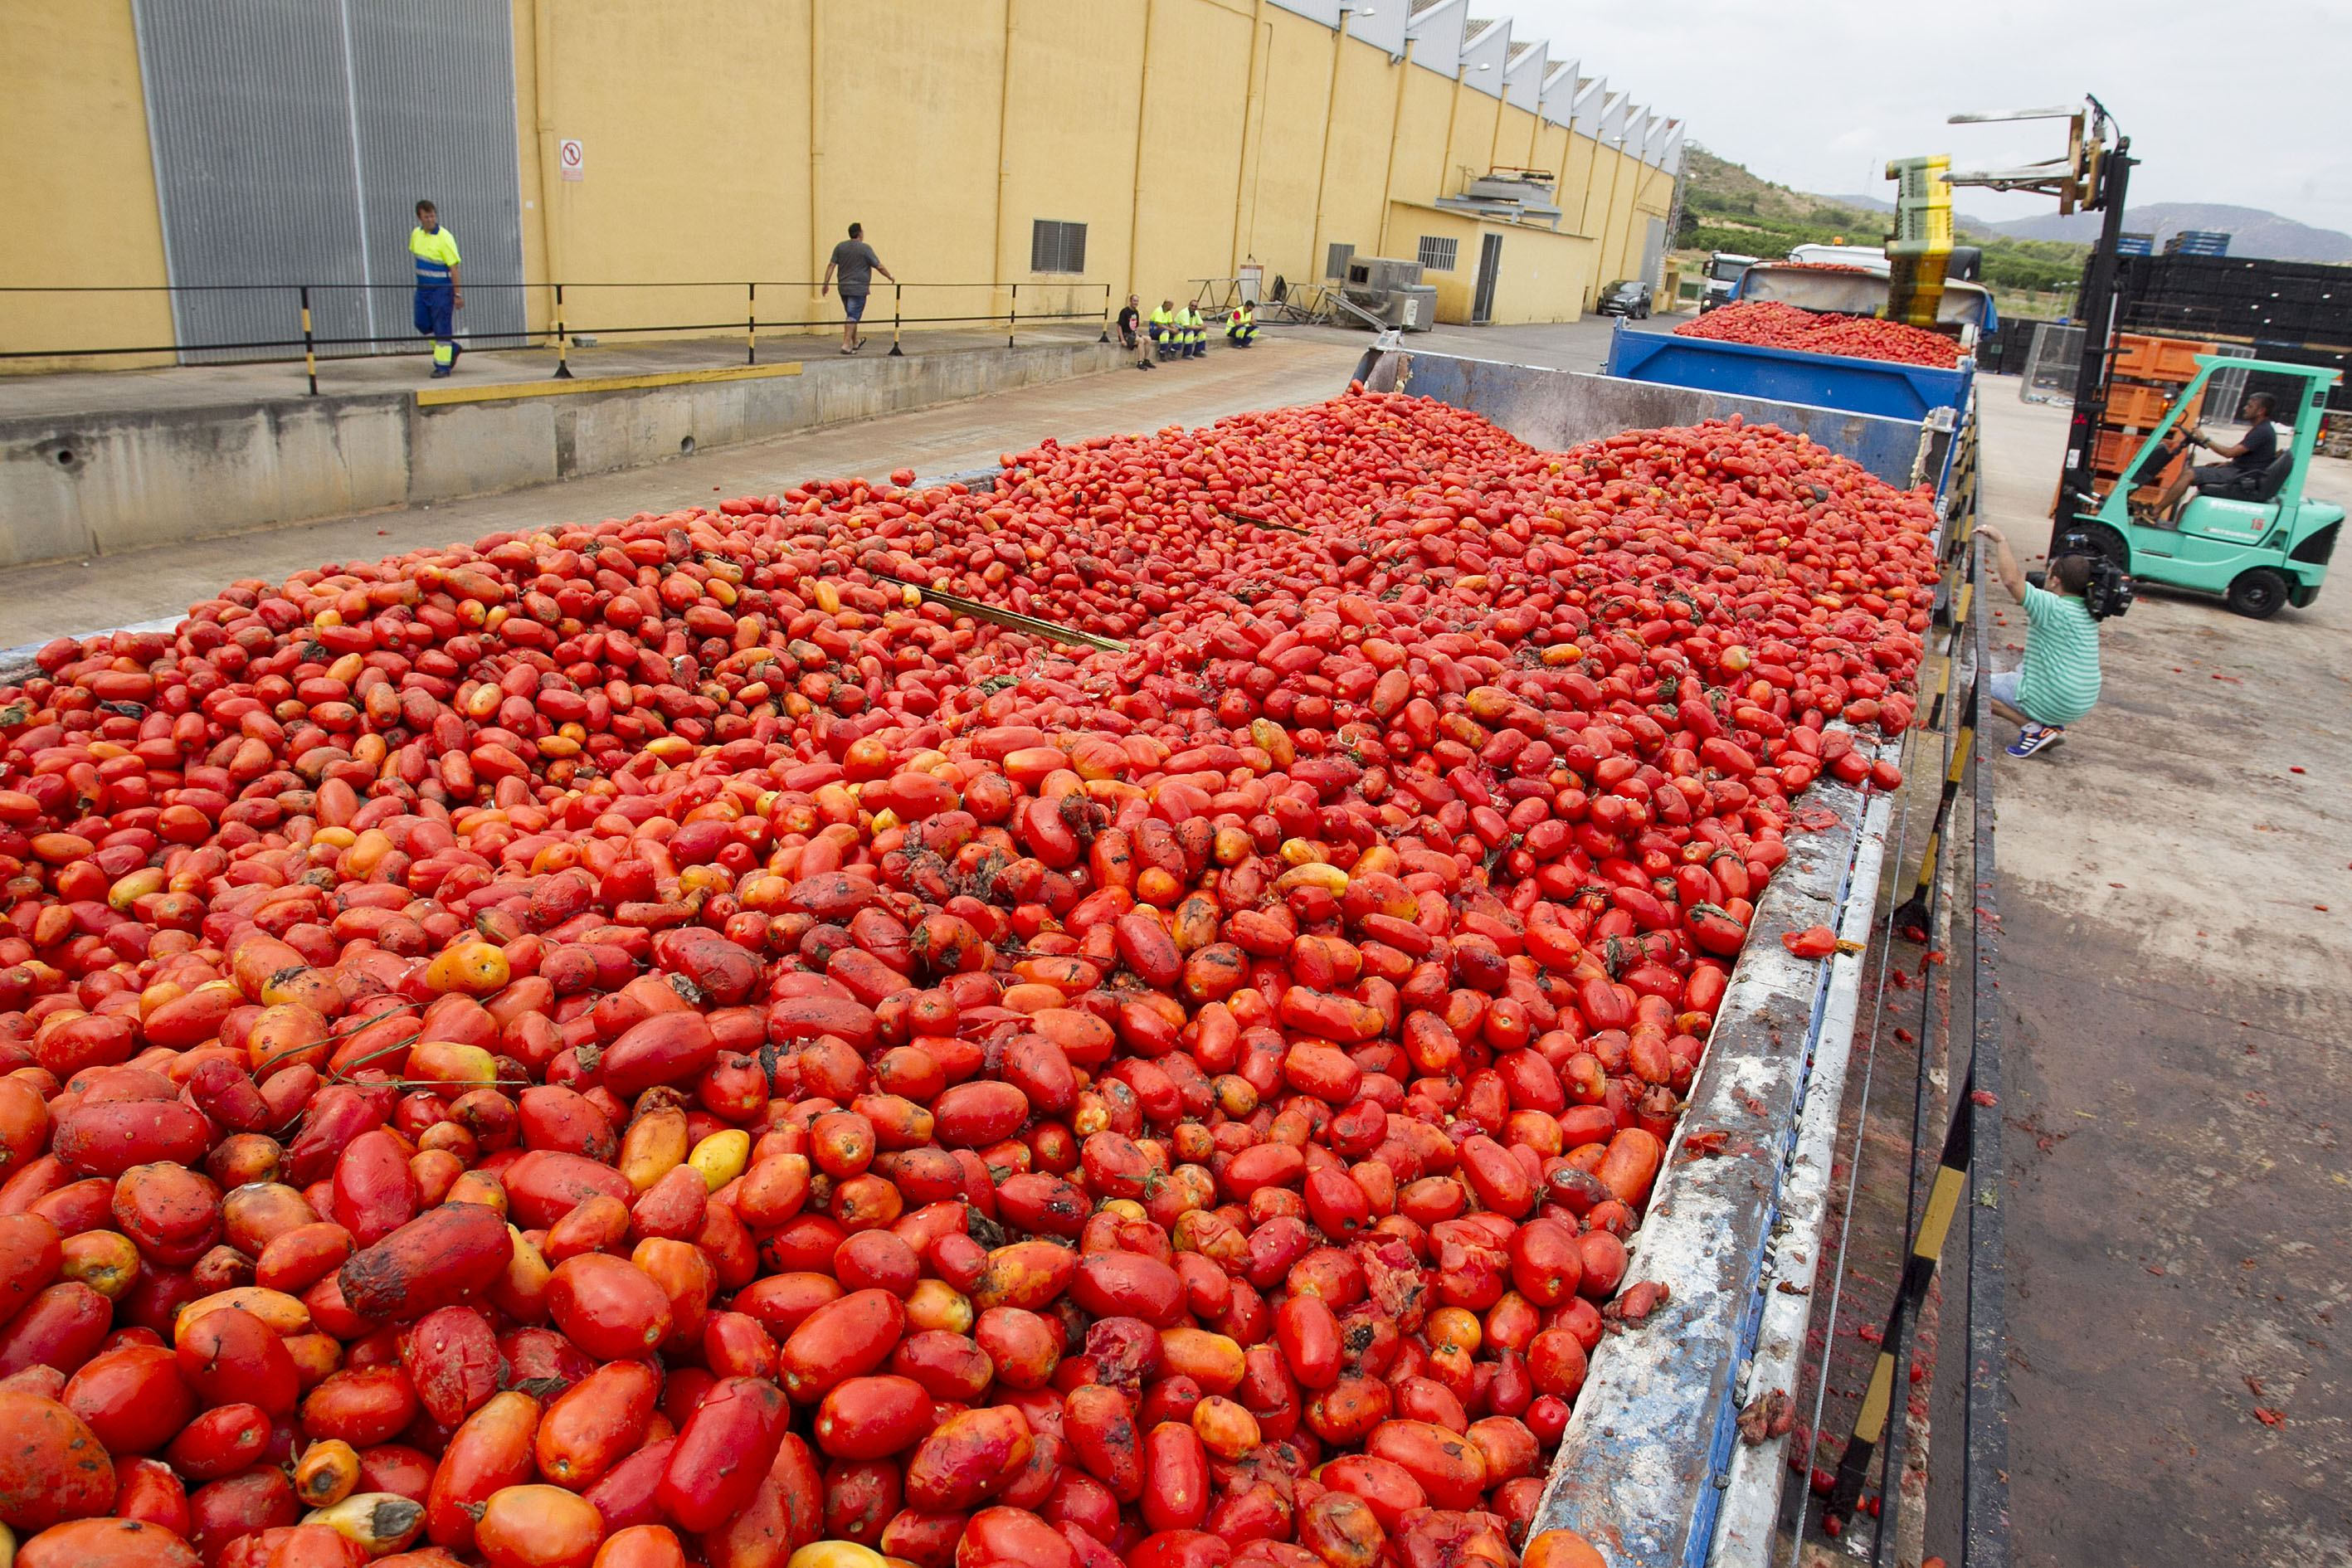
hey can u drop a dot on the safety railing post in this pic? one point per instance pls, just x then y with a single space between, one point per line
1105 320
1013 316
898 295
309 349
562 341
751 323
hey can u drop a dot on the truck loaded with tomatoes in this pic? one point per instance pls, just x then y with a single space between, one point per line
652 1043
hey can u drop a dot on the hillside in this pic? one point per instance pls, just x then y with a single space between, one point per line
1726 208
2252 231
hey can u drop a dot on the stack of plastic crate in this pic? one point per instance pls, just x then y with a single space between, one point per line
2149 374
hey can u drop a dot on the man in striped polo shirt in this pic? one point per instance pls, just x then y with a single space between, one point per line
2058 680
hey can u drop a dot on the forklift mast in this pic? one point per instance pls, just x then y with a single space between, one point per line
2094 177
2110 178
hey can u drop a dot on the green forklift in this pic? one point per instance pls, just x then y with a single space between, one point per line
2259 549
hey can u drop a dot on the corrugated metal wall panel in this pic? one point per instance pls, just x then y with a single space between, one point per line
292 139
436 120
250 116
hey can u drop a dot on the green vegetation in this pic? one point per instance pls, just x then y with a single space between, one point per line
1725 207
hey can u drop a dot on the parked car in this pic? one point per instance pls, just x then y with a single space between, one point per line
1626 297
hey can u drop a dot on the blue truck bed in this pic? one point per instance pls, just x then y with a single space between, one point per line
1823 381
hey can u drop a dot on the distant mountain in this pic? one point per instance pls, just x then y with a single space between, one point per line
2252 231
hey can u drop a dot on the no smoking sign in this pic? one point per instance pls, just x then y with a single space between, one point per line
571 158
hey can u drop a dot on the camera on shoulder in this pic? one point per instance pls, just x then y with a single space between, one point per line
2106 587
2109 589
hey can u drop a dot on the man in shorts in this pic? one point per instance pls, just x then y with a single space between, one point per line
855 261
2058 682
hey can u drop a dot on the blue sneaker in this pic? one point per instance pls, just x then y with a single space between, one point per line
2036 738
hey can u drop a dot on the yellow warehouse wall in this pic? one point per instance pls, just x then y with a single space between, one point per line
1424 122
1474 118
697 161
1196 91
1576 194
1355 187
911 142
1541 275
733 141
1514 139
1070 144
1298 62
81 185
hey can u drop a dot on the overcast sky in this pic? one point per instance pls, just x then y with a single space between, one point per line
2243 104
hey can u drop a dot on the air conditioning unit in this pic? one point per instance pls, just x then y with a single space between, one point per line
1371 278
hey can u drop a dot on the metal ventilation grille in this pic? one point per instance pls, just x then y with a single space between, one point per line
1057 247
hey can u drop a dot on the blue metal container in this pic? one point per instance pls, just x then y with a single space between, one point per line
1824 381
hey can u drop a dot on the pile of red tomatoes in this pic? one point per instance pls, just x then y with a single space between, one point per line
653 1042
1771 323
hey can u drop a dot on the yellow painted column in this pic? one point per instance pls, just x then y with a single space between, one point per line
817 144
1142 109
1003 169
1396 123
1323 157
543 71
1253 137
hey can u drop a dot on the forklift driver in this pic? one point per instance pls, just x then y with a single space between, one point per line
2236 477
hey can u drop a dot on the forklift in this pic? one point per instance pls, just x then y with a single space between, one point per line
2260 550
2265 548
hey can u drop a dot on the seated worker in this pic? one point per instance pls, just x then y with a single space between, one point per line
1130 329
2235 476
1188 332
1241 326
1165 334
2058 680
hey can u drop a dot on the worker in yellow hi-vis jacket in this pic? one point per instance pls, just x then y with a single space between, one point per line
440 290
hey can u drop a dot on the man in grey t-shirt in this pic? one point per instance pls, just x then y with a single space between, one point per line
855 261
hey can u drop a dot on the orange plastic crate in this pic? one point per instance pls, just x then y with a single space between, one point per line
2113 448
2145 358
2140 408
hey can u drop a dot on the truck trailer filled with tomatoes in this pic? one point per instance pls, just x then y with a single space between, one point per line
1650 1466
1805 366
1248 996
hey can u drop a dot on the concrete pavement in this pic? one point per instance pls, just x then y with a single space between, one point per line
2176 892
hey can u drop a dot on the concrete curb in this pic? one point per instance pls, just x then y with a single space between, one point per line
94 485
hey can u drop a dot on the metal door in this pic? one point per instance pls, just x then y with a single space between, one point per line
1490 266
291 140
